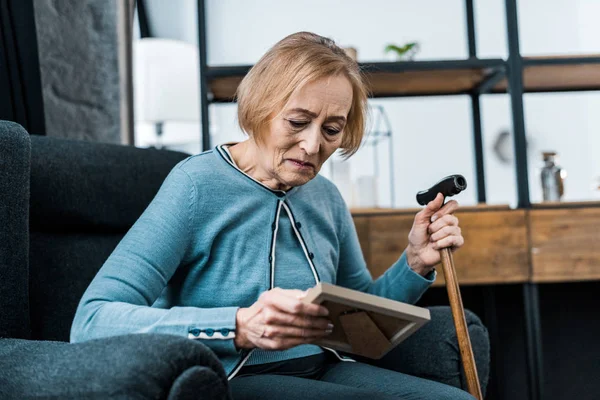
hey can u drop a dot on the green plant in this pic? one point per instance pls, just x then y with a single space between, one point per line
409 49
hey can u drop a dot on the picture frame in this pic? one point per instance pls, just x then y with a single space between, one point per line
365 324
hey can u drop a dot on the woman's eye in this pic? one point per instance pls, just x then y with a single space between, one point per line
332 131
297 124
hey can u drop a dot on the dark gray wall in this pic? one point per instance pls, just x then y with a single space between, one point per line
78 52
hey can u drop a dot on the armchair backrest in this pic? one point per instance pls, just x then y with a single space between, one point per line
84 197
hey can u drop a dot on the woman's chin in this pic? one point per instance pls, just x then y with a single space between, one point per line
298 178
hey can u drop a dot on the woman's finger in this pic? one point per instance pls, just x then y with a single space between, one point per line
290 303
278 331
449 241
448 230
448 208
282 343
423 217
273 316
446 220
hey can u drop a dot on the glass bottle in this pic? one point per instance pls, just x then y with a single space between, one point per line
552 178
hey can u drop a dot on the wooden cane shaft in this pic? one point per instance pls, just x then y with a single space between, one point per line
460 323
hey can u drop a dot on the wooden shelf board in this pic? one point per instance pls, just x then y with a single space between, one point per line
413 83
446 77
547 74
412 211
411 78
386 84
566 204
223 88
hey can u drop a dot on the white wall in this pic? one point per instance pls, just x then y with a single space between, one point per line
172 19
432 136
589 39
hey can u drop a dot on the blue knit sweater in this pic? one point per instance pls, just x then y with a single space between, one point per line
205 246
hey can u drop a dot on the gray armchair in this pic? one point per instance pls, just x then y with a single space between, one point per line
64 205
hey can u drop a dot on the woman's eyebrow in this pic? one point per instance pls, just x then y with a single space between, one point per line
336 118
305 111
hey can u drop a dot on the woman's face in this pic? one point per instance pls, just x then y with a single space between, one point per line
307 131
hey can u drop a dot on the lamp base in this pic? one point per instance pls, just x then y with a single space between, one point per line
158 127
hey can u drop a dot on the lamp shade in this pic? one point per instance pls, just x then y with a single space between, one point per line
166 81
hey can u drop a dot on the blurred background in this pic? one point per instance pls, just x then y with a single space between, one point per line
162 99
428 129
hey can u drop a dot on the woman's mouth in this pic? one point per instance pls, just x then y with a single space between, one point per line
301 164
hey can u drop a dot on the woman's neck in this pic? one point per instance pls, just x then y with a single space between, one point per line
247 155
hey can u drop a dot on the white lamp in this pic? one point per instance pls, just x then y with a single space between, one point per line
166 83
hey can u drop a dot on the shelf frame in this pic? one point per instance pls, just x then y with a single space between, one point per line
560 60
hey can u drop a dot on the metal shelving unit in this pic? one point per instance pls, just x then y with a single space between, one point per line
472 77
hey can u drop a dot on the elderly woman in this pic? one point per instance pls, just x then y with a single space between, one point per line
235 235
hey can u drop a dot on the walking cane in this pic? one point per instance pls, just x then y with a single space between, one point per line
449 186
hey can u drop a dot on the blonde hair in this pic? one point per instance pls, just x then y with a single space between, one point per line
294 61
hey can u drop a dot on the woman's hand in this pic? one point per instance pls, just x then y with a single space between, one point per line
280 320
434 228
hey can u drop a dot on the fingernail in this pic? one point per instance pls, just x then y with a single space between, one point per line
434 218
329 327
302 295
324 311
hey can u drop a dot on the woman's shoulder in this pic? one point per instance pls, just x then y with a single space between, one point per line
207 173
199 165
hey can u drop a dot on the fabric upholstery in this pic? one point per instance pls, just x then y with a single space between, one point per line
78 216
93 187
14 238
432 352
144 366
62 266
84 198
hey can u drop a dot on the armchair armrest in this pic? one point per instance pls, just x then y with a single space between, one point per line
432 352
141 366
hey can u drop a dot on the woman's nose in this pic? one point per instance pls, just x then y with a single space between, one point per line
311 140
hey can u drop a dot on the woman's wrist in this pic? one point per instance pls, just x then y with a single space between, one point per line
240 341
415 263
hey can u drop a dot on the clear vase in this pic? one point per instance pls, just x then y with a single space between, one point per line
552 177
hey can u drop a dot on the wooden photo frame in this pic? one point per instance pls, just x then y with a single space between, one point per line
365 324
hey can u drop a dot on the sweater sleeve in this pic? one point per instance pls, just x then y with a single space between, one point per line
119 299
398 283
